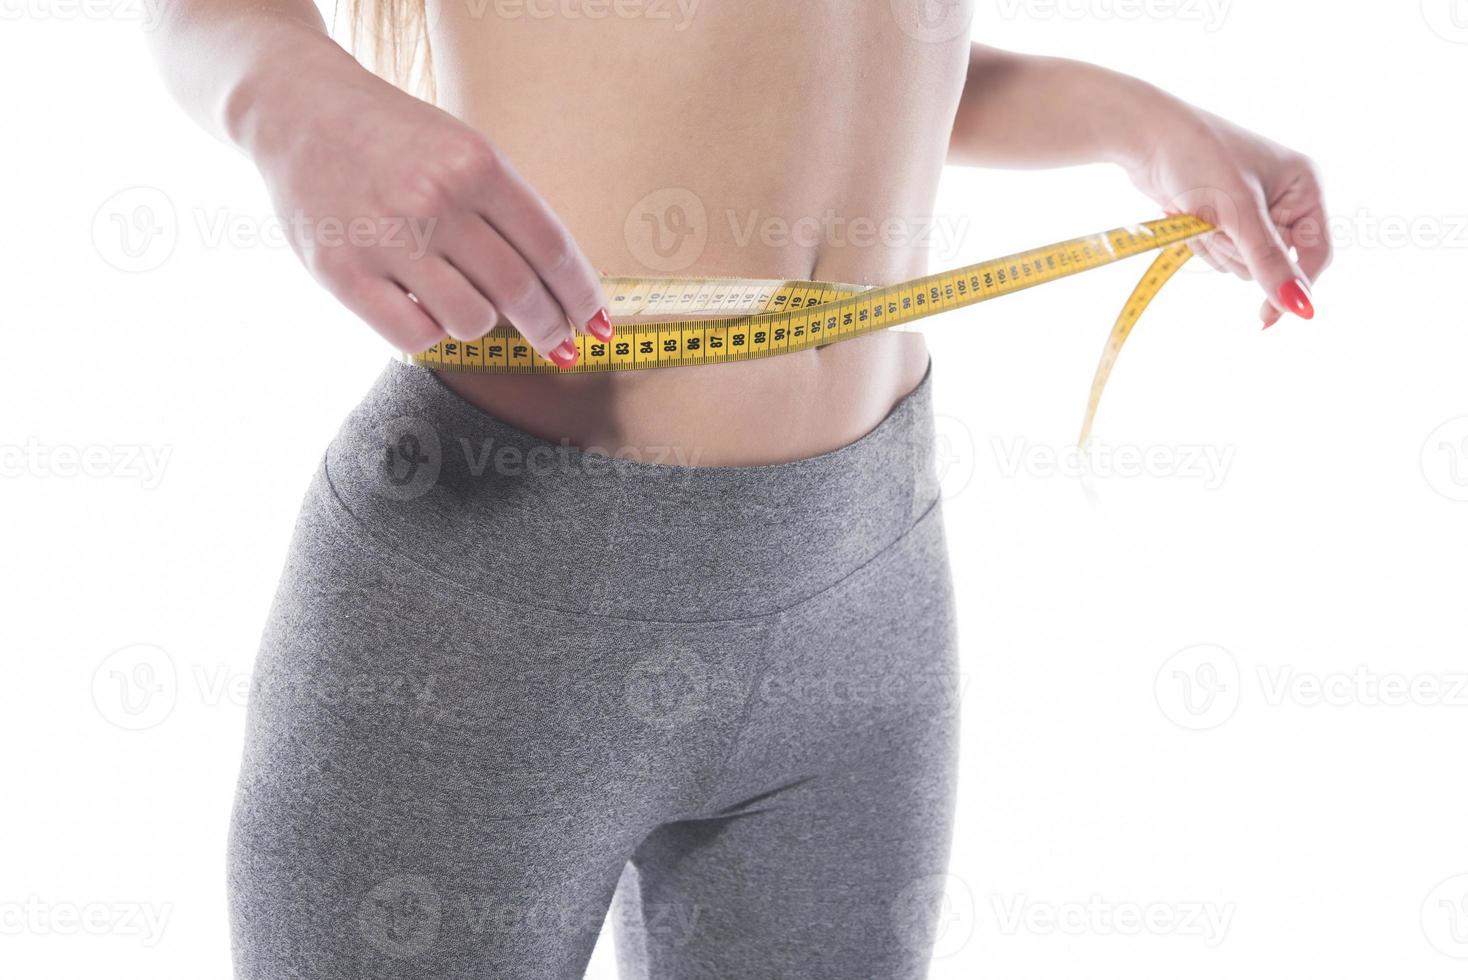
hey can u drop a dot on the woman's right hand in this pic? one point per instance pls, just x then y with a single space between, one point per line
388 196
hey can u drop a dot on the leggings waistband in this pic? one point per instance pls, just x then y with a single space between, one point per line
508 514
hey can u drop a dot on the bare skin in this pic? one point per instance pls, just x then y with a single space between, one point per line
785 131
862 149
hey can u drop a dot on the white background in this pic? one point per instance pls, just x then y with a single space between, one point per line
1181 686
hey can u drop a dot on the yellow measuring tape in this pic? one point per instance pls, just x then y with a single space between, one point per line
714 321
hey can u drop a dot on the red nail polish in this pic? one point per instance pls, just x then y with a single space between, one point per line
1271 319
1296 299
600 326
566 355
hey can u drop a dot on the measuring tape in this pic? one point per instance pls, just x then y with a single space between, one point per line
715 321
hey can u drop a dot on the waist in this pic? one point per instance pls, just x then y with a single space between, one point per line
747 413
502 512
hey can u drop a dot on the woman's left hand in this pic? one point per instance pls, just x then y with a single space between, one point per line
1265 200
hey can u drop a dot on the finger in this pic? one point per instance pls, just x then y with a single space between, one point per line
1268 259
446 296
386 308
499 272
1223 256
1202 251
517 212
1227 250
1220 210
1268 315
1310 239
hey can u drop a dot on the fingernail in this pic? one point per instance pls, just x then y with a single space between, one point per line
1296 298
565 355
600 326
1271 319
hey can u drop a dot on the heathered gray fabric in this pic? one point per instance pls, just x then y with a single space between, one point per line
500 677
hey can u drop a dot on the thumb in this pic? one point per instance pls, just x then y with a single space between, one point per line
1268 258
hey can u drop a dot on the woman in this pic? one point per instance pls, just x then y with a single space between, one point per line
506 676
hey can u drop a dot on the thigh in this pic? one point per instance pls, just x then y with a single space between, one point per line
822 855
428 788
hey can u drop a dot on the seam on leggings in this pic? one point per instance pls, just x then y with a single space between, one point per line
347 520
736 739
767 662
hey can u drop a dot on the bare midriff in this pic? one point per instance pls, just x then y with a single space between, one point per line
755 138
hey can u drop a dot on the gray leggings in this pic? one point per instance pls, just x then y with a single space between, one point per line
507 686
